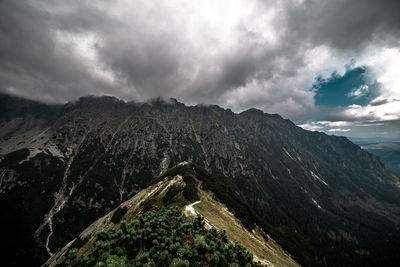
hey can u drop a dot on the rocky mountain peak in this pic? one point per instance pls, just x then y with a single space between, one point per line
62 167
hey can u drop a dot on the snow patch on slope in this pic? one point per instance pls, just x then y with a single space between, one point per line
316 177
287 153
316 203
50 149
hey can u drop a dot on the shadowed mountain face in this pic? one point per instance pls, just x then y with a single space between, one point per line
62 167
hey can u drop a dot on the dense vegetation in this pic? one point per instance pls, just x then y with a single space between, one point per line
287 237
161 238
117 215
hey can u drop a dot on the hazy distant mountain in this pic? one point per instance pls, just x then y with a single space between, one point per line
64 166
387 151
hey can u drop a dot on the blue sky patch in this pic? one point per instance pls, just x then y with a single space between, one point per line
340 91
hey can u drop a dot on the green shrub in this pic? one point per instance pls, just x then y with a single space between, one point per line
117 215
161 238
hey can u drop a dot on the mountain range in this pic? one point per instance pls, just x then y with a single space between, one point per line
64 166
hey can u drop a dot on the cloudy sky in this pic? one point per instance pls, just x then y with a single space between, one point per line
330 66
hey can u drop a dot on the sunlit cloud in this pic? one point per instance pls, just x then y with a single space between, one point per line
338 130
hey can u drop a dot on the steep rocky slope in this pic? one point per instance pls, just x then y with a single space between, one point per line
171 191
62 167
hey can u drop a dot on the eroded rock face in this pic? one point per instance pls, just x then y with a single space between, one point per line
72 164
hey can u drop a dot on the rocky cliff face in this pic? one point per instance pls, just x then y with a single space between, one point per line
64 166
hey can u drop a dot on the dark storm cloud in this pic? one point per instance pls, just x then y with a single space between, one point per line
33 63
148 52
346 25
57 51
150 64
378 103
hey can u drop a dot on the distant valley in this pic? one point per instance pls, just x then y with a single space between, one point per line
387 151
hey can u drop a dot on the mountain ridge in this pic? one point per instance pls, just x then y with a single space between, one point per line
169 189
342 199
